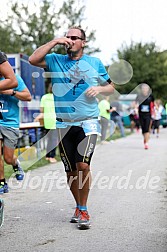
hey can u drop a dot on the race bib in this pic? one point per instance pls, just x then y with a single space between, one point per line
91 127
4 106
145 108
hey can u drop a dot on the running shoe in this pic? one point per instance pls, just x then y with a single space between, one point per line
146 146
1 212
18 171
84 220
74 218
4 188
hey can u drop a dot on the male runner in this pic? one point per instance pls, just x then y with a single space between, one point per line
9 81
75 79
9 127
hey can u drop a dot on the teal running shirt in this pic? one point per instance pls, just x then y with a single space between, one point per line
10 106
70 80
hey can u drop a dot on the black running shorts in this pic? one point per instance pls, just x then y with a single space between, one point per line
145 123
75 146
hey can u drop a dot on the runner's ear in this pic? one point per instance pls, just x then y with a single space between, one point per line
83 43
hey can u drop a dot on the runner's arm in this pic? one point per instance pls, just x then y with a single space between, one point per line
23 95
37 58
10 80
40 116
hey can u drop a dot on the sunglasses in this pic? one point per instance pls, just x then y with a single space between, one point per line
74 37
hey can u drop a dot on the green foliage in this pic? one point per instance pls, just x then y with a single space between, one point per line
149 66
76 19
71 19
8 40
25 28
36 28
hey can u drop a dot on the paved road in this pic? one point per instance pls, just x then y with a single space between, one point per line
127 203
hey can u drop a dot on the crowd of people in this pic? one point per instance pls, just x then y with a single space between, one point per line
144 113
71 114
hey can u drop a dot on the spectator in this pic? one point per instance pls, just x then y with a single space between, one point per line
47 113
104 107
134 117
158 108
116 111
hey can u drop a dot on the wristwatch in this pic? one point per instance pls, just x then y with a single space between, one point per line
14 92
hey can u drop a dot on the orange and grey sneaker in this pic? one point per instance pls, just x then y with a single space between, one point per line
74 218
84 220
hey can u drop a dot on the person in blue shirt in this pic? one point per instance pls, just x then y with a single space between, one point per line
9 127
9 81
77 79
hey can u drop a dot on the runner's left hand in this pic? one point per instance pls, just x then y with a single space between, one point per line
93 91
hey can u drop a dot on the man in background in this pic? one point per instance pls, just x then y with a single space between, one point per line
116 116
47 113
104 107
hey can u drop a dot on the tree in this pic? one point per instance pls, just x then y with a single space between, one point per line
76 19
149 66
26 30
34 28
8 39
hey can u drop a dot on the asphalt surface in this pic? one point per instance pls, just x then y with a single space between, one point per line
127 203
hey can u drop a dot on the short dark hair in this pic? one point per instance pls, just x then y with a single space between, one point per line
83 35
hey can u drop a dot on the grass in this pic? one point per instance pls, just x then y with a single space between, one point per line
35 163
117 135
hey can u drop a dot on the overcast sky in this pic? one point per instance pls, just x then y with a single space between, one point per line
123 21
